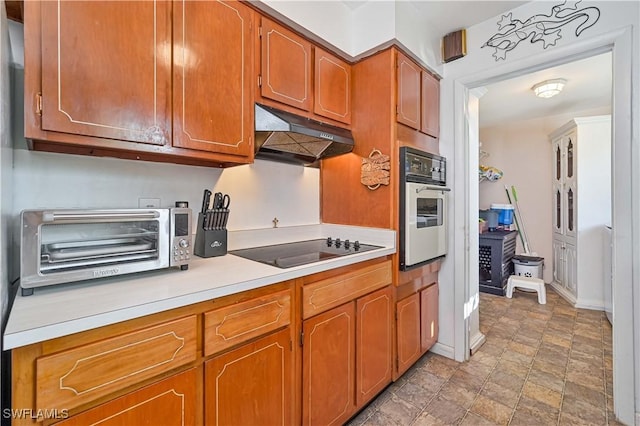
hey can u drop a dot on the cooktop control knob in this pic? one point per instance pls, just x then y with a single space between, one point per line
329 242
356 245
184 243
338 242
347 244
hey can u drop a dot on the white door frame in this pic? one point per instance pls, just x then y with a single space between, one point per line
625 202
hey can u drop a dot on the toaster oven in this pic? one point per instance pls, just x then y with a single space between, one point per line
62 246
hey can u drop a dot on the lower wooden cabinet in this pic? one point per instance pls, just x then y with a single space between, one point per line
251 385
416 326
429 317
374 341
328 360
347 358
408 332
172 401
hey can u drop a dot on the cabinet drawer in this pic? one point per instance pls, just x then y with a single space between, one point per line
229 326
83 374
326 294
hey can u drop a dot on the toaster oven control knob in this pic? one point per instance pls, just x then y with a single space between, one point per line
184 243
338 242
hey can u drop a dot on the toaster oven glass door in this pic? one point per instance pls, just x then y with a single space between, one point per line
78 246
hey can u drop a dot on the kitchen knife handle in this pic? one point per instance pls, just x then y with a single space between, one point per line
206 198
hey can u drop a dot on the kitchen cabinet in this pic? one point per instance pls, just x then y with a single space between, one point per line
286 66
203 356
430 106
408 332
581 155
99 80
170 401
418 97
328 373
213 77
416 325
332 87
295 73
251 385
388 113
347 342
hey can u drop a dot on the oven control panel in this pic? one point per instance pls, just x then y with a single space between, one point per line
422 167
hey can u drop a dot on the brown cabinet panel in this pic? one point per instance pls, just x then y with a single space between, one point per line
251 385
409 78
329 367
238 323
212 77
173 401
332 94
430 123
286 66
429 316
373 344
106 69
328 293
408 332
76 376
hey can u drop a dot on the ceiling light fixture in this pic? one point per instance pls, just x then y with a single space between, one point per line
549 88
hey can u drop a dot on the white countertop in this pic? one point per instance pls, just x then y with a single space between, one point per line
61 310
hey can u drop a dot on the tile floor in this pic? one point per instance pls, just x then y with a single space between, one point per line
540 365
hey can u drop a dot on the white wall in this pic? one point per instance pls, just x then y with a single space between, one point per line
522 150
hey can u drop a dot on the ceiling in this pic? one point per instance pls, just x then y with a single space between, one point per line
588 86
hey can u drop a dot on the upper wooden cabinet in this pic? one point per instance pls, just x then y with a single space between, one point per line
418 97
408 109
212 76
286 66
294 73
332 87
153 80
106 69
430 123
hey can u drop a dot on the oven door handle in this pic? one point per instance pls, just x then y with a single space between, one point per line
431 188
60 216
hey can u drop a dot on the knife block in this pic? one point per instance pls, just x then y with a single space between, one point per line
209 243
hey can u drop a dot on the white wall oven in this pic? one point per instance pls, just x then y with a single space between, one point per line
423 207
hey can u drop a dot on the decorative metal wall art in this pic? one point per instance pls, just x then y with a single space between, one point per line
541 28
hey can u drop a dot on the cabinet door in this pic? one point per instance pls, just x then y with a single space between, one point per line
212 77
172 401
286 66
106 69
570 204
328 367
429 317
251 385
409 77
408 332
571 269
430 123
332 88
557 248
558 209
373 344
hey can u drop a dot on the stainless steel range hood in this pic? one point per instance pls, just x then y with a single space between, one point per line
285 137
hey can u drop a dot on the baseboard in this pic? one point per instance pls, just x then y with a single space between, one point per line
594 304
564 293
477 341
444 350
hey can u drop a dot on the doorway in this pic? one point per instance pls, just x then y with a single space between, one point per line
466 157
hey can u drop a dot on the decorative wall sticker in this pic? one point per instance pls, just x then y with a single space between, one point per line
541 28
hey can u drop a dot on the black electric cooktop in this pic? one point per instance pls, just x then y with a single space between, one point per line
289 255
